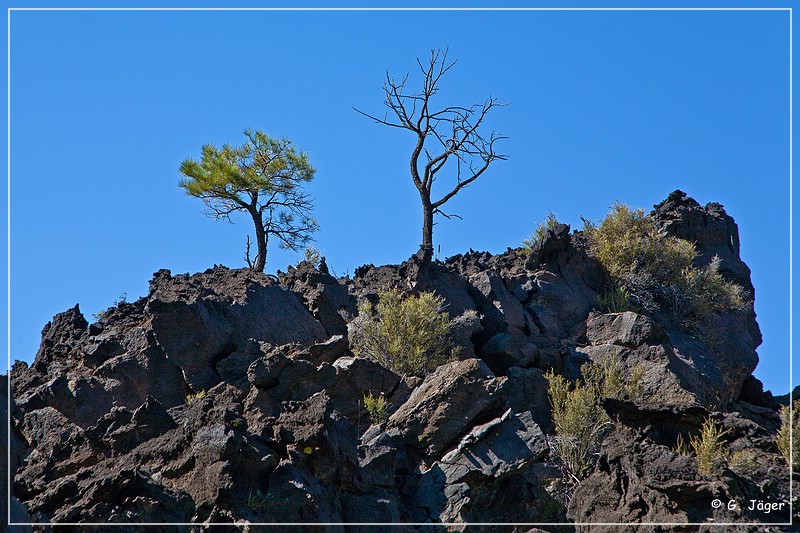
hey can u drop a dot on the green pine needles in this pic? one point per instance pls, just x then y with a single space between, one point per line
264 177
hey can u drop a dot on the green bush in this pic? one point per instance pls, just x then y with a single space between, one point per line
311 255
707 291
606 375
743 462
540 232
410 335
790 447
376 408
579 419
656 270
708 447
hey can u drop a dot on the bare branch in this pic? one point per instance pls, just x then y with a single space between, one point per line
247 259
448 216
456 130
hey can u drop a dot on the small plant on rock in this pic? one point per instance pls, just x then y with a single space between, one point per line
790 427
410 335
682 447
311 255
616 299
580 422
195 396
376 407
709 449
540 232
743 462
257 501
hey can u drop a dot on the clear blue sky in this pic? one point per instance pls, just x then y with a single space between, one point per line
604 106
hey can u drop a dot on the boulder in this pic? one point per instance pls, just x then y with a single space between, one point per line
486 463
324 296
60 339
495 449
356 377
626 329
511 348
202 319
637 480
526 390
445 404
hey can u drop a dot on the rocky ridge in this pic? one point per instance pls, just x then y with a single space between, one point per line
233 397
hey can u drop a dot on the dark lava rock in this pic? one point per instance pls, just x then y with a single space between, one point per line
326 298
232 396
200 320
713 231
445 404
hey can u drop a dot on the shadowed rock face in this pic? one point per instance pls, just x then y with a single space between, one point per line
230 395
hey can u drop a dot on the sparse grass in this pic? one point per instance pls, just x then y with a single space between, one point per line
743 462
790 448
606 375
616 299
656 270
257 501
682 447
540 232
376 407
195 396
410 335
579 419
709 449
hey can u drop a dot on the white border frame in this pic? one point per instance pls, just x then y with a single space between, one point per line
441 524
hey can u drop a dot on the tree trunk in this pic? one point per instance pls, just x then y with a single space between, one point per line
261 242
427 228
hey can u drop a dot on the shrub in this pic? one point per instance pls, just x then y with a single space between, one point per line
790 448
707 291
409 335
656 270
579 422
579 419
540 232
311 255
708 448
606 375
122 299
626 241
376 407
743 462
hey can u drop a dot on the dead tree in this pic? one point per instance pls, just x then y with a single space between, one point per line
448 134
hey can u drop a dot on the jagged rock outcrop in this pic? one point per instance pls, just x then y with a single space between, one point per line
233 396
710 228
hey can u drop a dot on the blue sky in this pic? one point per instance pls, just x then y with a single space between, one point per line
604 106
